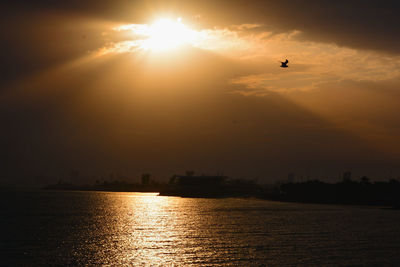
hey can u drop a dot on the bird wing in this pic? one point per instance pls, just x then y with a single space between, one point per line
287 61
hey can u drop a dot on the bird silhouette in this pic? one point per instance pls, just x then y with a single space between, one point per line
284 64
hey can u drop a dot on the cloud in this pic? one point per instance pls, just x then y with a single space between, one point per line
370 25
365 24
229 26
36 41
310 64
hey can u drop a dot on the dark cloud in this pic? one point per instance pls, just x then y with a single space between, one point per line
32 42
358 23
368 24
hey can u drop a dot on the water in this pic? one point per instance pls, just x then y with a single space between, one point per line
45 228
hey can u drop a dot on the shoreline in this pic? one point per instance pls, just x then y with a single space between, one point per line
258 197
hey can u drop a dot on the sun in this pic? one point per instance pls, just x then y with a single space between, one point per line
162 35
166 34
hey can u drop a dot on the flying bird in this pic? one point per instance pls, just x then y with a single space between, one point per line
284 64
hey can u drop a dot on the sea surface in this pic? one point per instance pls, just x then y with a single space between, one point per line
46 228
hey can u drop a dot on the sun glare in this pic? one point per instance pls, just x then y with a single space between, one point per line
166 34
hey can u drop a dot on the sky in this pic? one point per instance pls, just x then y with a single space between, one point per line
130 87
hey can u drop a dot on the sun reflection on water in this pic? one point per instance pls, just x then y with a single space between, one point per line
127 229
151 222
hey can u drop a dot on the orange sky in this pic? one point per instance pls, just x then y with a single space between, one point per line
103 88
